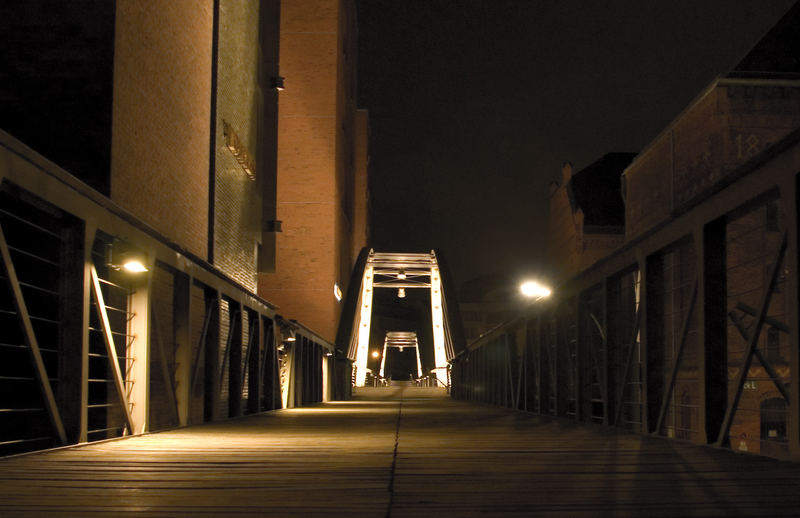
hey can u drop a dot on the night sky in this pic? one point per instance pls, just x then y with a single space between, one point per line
475 104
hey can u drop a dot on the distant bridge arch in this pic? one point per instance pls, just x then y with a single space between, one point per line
400 271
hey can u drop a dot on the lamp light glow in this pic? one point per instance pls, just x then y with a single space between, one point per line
134 266
401 293
401 275
533 289
375 354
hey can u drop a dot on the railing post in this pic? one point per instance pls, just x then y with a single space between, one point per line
788 196
74 392
181 319
712 328
211 355
237 344
606 344
255 351
577 313
647 325
138 364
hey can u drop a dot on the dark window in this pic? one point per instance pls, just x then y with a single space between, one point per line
772 216
773 345
773 420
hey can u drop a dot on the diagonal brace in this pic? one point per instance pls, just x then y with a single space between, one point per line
165 373
201 346
773 322
755 331
764 362
231 330
250 336
30 339
597 367
119 381
677 362
628 362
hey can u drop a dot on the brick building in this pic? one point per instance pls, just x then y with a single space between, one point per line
731 122
587 216
321 201
696 362
151 130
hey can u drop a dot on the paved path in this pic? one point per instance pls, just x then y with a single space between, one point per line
396 452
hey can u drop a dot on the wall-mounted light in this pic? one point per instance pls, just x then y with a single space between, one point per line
120 257
375 354
401 293
134 265
337 292
277 83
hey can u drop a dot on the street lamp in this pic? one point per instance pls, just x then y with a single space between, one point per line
534 290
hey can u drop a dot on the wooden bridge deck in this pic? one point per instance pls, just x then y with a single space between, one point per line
382 456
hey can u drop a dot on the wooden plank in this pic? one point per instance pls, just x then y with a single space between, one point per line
440 457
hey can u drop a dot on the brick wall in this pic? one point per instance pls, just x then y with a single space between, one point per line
237 200
729 124
313 250
160 121
562 251
361 187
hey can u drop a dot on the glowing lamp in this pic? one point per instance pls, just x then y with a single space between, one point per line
134 266
533 289
401 293
375 354
120 256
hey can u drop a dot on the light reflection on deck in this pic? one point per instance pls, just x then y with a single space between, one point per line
453 459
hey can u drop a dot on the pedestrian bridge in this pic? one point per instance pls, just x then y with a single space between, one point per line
396 451
604 396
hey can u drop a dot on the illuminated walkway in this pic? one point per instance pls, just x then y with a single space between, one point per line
451 458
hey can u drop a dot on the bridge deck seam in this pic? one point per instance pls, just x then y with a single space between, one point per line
394 455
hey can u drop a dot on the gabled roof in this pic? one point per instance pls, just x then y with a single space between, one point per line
777 54
596 191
